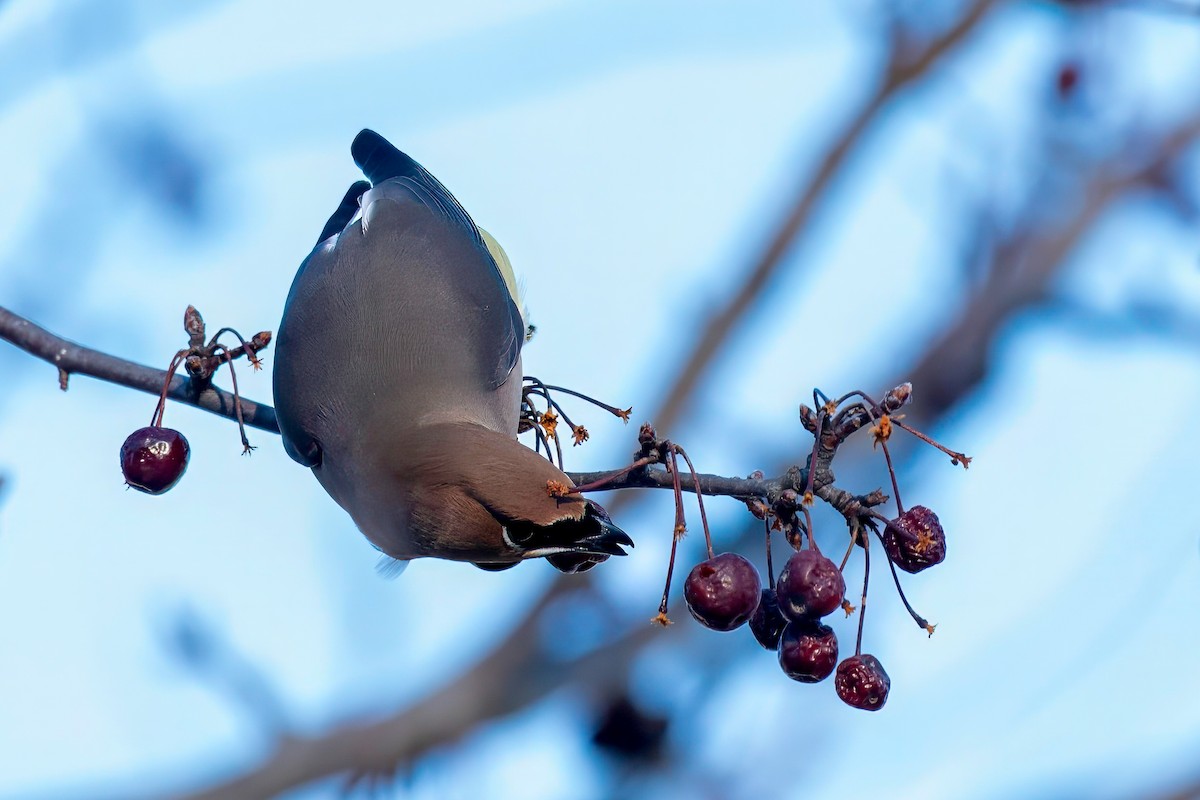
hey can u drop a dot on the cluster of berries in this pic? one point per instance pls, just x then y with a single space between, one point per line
725 592
154 458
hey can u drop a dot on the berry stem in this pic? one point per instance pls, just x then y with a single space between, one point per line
699 499
882 433
957 458
770 565
159 409
680 521
540 390
607 479
862 609
539 441
808 528
921 621
887 455
557 447
251 356
806 500
662 606
887 523
616 412
856 393
237 400
680 529
812 459
849 550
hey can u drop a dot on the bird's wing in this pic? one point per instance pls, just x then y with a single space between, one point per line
380 161
396 175
402 272
345 212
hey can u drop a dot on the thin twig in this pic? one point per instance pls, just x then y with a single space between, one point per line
73 359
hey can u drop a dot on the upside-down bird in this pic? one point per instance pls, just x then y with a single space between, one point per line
398 381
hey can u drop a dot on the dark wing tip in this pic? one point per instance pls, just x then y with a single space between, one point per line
345 210
367 145
378 158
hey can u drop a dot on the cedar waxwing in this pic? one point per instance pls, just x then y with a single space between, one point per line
398 381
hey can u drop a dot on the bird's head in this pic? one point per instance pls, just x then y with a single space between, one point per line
472 494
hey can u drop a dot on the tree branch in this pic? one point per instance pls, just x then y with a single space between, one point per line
451 712
71 358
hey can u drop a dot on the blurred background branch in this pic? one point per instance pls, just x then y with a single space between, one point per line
906 63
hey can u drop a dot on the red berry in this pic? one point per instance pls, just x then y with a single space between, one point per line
154 459
862 683
767 622
915 540
808 651
810 586
723 591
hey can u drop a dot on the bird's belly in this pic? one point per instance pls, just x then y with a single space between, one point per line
380 512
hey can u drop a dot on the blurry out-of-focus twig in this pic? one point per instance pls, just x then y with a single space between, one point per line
1186 791
198 648
908 61
1023 266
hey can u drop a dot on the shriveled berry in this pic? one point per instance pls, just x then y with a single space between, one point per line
808 651
767 622
723 591
153 459
862 683
810 586
915 540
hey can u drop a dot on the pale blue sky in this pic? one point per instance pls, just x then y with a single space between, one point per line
627 155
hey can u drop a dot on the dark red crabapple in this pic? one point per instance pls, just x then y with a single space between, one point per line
920 541
810 586
808 651
153 459
723 591
767 623
862 683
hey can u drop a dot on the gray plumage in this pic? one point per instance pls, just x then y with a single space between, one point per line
398 381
